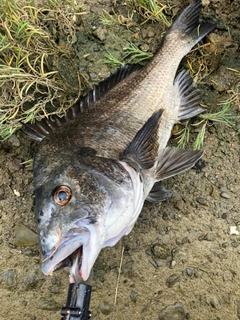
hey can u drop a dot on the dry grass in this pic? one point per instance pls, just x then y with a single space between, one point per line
33 83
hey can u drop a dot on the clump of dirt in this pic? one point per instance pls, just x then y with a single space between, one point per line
181 260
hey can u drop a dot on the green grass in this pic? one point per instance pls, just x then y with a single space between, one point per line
134 55
109 19
113 61
223 116
150 10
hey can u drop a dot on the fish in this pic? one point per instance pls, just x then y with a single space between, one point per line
96 166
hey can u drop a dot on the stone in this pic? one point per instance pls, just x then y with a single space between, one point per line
100 33
173 312
48 304
14 141
172 279
25 237
133 296
225 195
8 279
161 251
105 308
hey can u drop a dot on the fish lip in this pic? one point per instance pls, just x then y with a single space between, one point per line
72 240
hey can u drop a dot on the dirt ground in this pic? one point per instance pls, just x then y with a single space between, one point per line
182 259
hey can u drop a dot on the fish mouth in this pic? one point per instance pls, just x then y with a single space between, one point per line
69 253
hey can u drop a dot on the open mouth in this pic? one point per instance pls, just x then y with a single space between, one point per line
68 253
73 259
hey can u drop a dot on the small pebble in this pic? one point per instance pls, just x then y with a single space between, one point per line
174 278
144 47
100 33
189 272
235 244
179 205
233 230
225 195
205 2
133 296
154 263
214 302
206 237
105 308
151 34
14 141
93 76
224 215
211 129
173 264
224 244
202 201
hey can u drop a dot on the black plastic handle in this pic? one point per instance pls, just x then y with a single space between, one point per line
78 300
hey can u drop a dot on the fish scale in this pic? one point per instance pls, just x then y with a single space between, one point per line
96 166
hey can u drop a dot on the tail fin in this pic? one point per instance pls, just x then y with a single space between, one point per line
188 22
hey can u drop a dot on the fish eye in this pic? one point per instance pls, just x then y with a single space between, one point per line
62 195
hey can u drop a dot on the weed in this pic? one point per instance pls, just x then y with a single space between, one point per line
183 135
114 19
135 55
150 10
109 19
113 61
223 116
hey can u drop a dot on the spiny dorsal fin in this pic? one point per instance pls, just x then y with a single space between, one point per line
188 95
41 129
142 152
158 193
173 161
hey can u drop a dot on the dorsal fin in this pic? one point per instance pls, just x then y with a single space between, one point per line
41 129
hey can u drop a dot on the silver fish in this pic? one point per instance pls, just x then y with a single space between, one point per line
96 166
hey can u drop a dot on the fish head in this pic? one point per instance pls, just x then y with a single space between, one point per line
83 203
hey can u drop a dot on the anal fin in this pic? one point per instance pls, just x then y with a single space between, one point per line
173 161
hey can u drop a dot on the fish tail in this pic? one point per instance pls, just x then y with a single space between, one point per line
188 23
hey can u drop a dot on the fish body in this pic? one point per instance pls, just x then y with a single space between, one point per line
96 166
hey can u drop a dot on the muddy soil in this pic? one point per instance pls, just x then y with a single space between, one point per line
182 259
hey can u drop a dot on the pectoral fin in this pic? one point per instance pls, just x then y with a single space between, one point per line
173 161
142 152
